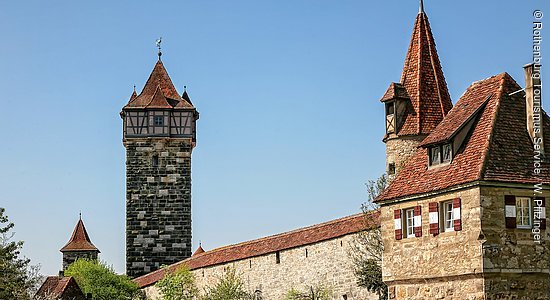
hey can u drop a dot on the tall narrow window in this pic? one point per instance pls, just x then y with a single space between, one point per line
448 216
391 168
155 161
409 222
390 117
435 156
523 209
447 153
278 257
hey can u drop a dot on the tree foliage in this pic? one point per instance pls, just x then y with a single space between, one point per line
18 279
101 281
229 287
367 247
319 292
178 285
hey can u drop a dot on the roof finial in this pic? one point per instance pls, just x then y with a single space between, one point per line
184 88
158 46
80 215
421 10
134 88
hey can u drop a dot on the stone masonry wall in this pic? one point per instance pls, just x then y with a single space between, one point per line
327 264
158 203
71 256
446 266
399 150
515 267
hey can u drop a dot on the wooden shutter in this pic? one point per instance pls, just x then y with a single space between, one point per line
457 218
434 218
540 209
397 224
510 211
417 221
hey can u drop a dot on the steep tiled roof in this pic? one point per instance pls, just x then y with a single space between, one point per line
498 147
159 79
56 287
198 251
287 240
424 82
80 241
395 90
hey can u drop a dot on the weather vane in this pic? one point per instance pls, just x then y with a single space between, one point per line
158 46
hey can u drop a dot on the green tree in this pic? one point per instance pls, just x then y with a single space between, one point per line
99 279
178 285
230 287
319 292
18 279
367 247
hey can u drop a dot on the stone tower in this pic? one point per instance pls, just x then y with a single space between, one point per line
159 136
79 246
417 104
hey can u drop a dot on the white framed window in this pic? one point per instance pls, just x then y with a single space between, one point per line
523 212
409 222
435 156
447 153
448 216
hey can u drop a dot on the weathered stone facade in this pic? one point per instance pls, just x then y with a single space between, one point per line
324 264
448 264
399 150
158 202
72 256
484 260
515 267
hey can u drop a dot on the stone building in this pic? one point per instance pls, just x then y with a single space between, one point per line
315 256
79 246
159 136
464 216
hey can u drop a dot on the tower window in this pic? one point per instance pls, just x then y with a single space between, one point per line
390 117
155 161
278 257
159 120
391 168
306 252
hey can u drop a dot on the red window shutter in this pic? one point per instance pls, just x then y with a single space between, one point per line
398 224
417 221
510 211
543 212
434 218
457 212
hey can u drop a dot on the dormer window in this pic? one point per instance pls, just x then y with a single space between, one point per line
440 154
390 117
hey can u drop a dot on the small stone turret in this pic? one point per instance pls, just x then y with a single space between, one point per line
79 246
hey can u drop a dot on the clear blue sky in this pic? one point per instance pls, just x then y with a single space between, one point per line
288 91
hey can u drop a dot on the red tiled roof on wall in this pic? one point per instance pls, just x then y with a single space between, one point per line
498 148
300 237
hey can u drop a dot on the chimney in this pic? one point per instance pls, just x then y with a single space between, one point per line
533 97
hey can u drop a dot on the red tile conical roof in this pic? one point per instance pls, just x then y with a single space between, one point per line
423 79
80 241
159 79
198 251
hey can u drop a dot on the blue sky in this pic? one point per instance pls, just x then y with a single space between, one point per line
288 91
